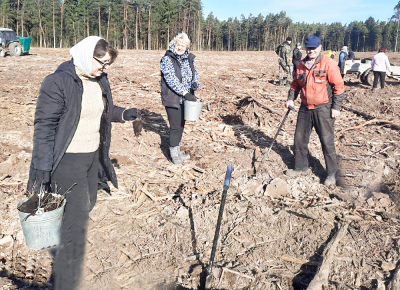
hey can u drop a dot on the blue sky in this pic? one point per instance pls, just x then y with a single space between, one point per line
309 11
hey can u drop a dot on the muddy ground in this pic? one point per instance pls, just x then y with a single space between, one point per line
156 230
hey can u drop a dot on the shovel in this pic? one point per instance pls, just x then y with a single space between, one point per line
279 129
216 235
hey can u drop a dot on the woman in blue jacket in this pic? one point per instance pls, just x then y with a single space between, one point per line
179 80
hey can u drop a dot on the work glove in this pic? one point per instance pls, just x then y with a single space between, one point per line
130 114
194 86
190 97
42 180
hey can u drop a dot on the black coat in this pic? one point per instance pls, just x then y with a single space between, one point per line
296 55
57 116
168 97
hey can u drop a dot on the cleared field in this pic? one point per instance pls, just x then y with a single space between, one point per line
156 230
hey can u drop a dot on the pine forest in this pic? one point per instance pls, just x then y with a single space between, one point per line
150 25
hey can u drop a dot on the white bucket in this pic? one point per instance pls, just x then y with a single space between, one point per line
192 109
42 231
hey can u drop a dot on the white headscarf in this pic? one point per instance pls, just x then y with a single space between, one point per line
344 48
82 53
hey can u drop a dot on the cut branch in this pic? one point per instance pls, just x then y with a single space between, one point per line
321 277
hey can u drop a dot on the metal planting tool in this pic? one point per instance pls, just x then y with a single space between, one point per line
279 129
216 235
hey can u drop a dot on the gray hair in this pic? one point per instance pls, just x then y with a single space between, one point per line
181 37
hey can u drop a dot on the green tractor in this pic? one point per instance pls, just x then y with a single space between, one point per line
12 44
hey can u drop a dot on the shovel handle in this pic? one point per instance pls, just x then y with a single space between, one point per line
221 211
228 175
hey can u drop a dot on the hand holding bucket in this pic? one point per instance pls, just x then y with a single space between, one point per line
192 109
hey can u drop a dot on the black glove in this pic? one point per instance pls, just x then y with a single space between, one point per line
41 180
194 86
130 114
190 97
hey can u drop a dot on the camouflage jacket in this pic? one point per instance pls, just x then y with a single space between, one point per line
285 53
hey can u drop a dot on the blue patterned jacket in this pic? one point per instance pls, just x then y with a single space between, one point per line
178 77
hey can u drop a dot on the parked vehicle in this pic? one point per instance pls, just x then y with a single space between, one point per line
363 70
12 44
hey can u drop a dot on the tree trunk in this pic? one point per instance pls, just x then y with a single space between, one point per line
266 36
364 43
140 32
149 31
17 18
199 32
247 38
125 38
54 26
397 32
229 38
99 16
22 22
188 20
136 28
62 23
184 21
358 41
167 36
40 31
108 21
87 24
73 28
209 37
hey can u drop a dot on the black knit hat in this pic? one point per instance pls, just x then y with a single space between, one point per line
288 38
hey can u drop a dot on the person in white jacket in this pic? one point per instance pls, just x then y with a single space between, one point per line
380 64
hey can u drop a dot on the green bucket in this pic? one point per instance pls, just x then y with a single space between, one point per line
42 230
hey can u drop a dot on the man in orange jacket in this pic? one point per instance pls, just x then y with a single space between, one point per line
321 88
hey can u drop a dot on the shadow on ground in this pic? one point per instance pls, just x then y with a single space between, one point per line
258 138
26 284
155 122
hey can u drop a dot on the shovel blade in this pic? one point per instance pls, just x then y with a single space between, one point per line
208 281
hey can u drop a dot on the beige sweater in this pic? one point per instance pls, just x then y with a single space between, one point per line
87 135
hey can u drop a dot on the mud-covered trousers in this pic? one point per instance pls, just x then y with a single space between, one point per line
320 119
176 124
78 173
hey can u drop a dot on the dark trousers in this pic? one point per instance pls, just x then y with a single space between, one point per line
379 75
319 118
78 174
176 124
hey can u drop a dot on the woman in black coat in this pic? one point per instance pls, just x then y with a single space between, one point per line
71 142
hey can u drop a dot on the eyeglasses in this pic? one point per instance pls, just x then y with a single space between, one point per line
104 65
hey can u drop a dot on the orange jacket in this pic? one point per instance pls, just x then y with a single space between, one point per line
322 84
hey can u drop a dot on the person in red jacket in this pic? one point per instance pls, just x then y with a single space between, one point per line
321 88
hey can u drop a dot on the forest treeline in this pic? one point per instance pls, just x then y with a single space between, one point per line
150 24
